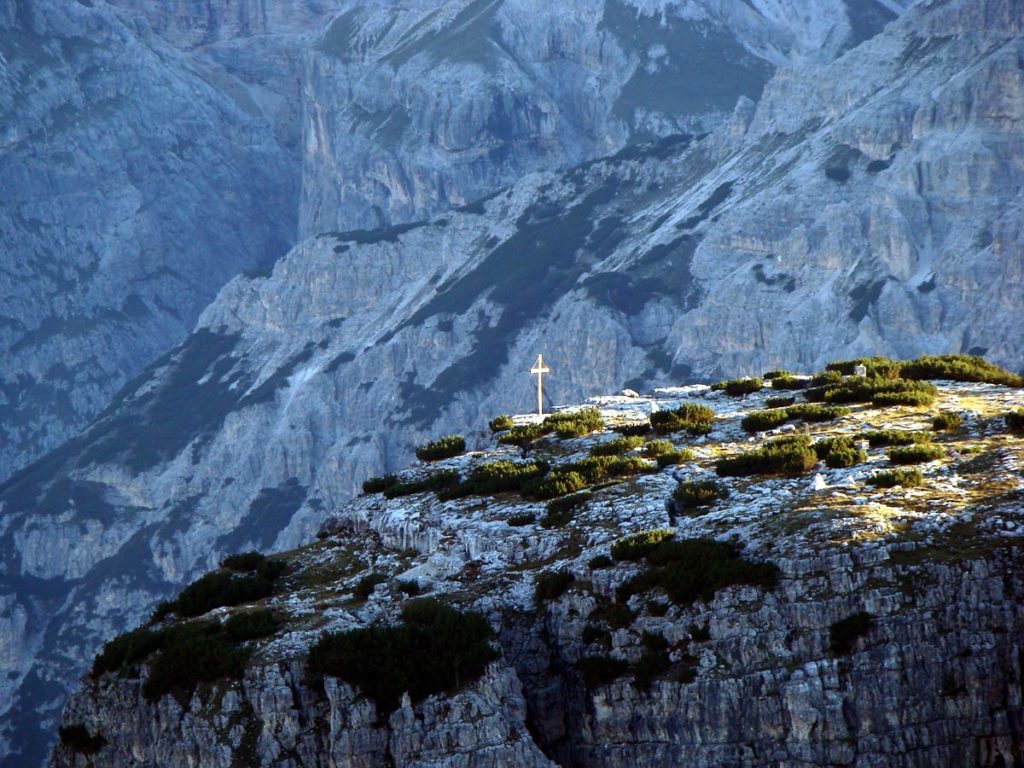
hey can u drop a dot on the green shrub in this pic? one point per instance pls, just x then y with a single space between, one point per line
126 650
826 378
523 436
379 484
880 367
191 654
691 417
771 375
790 455
220 588
600 670
1015 420
788 381
595 634
617 446
695 569
78 739
816 413
615 615
632 430
652 664
365 586
885 437
761 421
674 457
524 519
500 423
556 519
697 493
574 424
552 585
739 387
844 633
959 368
250 625
600 561
657 608
908 478
558 483
636 545
409 587
841 458
246 562
436 481
656 448
827 445
443 448
568 503
496 477
912 399
627 466
780 402
435 649
947 421
915 454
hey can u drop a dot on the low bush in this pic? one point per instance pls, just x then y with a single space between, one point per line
245 562
632 430
558 483
910 399
617 446
523 436
443 448
844 633
771 375
761 421
435 649
552 585
78 739
191 654
615 615
500 423
915 454
436 481
880 367
652 664
600 561
908 478
595 634
739 387
600 670
1015 420
250 625
814 413
656 448
947 421
568 503
843 457
575 423
379 484
126 650
694 494
496 477
959 368
780 402
409 587
637 545
886 437
367 584
524 519
791 455
673 458
695 569
691 417
555 519
220 588
788 381
880 391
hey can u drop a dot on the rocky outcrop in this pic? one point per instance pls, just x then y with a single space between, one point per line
416 108
607 670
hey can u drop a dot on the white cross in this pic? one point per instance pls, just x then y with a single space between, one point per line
540 369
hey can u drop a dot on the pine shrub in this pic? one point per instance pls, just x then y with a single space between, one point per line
739 387
637 545
886 437
673 458
915 454
1015 420
844 633
250 625
500 423
695 494
617 446
907 478
552 585
78 739
947 421
780 402
379 484
691 417
367 584
443 448
600 670
520 520
574 423
790 455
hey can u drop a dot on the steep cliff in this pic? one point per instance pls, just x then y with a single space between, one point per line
135 184
868 206
418 107
819 617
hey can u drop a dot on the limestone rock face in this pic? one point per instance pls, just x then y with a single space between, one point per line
418 107
135 184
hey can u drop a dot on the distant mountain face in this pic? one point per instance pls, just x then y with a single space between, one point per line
417 107
136 181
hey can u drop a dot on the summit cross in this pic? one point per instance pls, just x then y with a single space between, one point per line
539 369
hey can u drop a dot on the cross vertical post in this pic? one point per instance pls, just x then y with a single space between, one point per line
539 369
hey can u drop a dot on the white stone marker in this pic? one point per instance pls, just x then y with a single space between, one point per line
540 369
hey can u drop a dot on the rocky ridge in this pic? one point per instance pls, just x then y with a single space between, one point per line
759 675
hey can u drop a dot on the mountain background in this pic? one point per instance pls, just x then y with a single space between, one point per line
648 193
